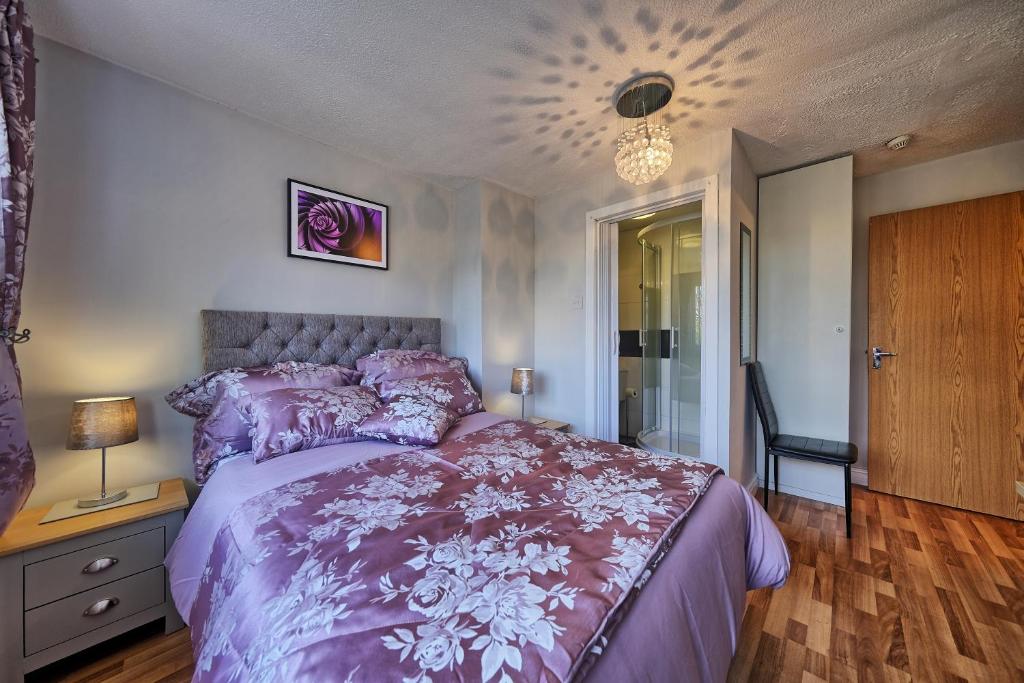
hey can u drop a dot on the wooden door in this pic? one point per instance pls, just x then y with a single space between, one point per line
946 294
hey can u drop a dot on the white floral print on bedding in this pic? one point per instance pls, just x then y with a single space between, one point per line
410 421
396 364
227 429
196 397
411 568
451 389
289 420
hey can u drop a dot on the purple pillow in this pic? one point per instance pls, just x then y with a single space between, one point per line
290 420
227 430
392 364
196 397
451 389
410 421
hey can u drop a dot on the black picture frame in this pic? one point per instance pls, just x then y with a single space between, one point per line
746 296
292 240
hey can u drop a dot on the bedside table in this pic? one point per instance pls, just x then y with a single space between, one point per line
557 425
76 582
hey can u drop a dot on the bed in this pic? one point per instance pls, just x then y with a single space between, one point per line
504 573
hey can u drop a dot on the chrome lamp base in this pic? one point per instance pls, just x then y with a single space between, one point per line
102 499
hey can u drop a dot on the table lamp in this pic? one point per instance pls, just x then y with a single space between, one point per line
101 423
522 384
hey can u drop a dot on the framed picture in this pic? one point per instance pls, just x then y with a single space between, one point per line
330 226
746 295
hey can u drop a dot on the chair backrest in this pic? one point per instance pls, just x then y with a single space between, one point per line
763 401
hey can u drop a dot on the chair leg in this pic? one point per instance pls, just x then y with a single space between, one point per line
776 474
849 506
766 478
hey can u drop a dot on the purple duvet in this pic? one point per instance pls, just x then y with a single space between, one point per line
508 552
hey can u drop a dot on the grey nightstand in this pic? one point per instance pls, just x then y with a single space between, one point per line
73 583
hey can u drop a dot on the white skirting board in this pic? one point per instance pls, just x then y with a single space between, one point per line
858 476
820 496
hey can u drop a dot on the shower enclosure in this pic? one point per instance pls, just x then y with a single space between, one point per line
670 335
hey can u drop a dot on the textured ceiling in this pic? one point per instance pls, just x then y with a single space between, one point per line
520 92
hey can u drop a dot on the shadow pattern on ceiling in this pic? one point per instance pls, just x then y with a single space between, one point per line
580 67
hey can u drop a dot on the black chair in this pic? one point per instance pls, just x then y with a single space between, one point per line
801 447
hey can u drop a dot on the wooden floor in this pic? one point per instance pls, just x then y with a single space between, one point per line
923 592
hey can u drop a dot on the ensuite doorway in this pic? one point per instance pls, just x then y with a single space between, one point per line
653 319
660 321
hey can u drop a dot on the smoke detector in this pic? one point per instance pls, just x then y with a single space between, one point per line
898 142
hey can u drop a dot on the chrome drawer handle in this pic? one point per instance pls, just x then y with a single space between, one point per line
99 607
97 566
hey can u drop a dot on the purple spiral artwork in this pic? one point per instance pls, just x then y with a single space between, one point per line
330 226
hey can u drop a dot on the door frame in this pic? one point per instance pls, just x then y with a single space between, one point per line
601 375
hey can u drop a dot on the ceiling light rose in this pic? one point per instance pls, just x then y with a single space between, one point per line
644 148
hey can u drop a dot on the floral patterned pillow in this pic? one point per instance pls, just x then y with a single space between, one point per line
227 429
290 420
450 389
410 421
393 364
196 397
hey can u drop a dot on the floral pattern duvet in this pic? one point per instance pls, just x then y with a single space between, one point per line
505 555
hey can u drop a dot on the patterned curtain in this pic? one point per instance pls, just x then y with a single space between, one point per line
17 141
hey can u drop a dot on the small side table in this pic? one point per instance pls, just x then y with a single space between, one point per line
557 425
70 584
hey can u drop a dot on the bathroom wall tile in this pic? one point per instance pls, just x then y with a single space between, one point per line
630 315
629 285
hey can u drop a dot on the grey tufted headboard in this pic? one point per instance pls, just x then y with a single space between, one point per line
250 338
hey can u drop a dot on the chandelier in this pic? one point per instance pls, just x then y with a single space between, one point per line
644 145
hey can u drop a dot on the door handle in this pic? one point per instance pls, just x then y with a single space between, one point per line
877 354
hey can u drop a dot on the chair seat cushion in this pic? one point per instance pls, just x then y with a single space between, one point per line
838 452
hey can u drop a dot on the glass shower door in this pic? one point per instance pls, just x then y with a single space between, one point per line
650 336
685 356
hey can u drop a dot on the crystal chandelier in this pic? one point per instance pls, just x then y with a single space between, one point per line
645 143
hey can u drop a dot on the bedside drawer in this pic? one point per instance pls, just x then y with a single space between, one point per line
65 619
64 575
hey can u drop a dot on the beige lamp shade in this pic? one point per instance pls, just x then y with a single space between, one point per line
522 381
102 422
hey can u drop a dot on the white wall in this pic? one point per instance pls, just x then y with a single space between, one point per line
493 289
467 287
152 204
742 416
805 267
981 173
561 276
508 294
